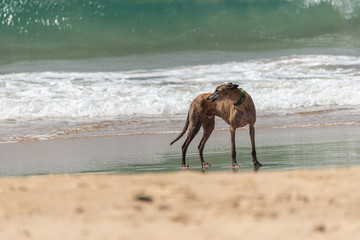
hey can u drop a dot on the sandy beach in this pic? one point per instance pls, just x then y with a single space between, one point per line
317 204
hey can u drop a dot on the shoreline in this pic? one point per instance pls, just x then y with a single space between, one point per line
177 132
42 130
300 204
277 149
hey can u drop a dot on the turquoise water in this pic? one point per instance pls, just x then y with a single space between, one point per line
78 29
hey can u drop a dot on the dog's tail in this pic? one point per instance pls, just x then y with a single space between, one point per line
183 131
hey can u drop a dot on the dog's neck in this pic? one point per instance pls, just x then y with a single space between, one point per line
241 99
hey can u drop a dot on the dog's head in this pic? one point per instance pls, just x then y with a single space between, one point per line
221 91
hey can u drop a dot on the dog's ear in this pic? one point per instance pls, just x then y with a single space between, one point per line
233 86
229 85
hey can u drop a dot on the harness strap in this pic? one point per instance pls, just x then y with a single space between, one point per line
242 99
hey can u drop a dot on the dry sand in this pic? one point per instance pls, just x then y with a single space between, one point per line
321 204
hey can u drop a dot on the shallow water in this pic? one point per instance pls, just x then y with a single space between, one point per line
301 152
277 149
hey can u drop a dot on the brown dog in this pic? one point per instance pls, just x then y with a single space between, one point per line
233 105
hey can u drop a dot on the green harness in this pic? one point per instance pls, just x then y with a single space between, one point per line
242 99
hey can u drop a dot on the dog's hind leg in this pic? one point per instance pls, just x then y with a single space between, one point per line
233 147
253 153
193 130
208 125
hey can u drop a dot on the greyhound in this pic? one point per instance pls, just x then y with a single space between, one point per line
233 105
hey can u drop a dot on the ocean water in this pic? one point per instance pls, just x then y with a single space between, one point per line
78 29
119 67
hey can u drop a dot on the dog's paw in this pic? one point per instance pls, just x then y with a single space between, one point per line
185 167
235 166
205 165
257 164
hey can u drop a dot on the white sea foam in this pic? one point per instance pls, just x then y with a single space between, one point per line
347 8
275 84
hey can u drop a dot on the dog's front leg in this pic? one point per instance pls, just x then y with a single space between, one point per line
257 164
233 147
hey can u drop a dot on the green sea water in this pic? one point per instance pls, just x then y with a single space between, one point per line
78 29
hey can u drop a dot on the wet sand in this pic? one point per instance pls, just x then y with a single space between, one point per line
277 149
302 204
